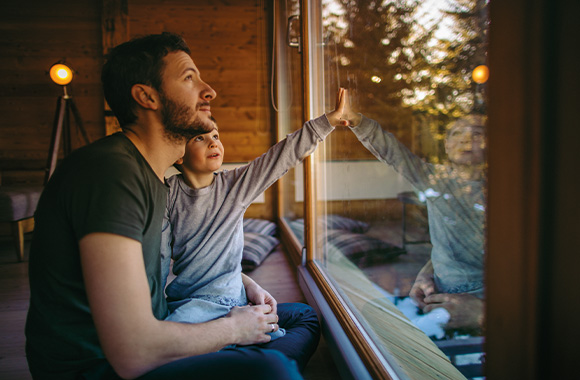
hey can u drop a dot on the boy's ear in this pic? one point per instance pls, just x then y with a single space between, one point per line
146 96
179 161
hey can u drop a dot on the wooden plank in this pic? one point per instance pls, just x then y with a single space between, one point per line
115 23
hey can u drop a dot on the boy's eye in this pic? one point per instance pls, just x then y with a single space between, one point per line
198 138
216 137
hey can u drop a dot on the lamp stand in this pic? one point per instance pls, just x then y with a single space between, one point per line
64 106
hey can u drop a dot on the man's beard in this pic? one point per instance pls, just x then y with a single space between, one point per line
177 120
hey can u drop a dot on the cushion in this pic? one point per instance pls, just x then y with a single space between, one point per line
338 222
18 201
256 248
259 226
297 227
360 249
333 222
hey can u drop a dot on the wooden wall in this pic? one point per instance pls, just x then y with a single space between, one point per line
230 44
35 35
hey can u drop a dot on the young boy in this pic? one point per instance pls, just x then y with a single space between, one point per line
203 232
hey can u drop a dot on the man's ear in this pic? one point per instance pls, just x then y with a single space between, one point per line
146 96
179 161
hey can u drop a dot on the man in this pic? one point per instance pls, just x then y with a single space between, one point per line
97 302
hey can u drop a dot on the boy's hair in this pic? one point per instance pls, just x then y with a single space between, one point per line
180 166
139 61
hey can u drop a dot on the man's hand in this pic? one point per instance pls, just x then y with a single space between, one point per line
253 322
465 310
424 285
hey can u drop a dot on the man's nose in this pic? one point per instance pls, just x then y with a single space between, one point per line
208 92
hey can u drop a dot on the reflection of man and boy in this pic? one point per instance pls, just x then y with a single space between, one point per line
454 195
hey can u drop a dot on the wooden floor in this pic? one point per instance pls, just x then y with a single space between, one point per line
275 275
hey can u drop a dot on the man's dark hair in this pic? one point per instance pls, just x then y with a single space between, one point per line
139 61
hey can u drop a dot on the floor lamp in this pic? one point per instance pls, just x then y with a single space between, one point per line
62 75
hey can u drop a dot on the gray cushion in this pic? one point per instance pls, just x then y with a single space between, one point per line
259 226
256 248
18 202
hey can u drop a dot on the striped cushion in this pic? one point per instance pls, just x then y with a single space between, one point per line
256 248
259 226
338 222
360 249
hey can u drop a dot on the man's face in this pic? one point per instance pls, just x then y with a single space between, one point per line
465 145
185 98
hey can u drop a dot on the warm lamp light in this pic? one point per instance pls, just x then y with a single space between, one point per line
61 74
480 74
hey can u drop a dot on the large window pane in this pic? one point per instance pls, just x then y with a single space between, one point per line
401 200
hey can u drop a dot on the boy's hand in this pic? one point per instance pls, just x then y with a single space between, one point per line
343 114
259 296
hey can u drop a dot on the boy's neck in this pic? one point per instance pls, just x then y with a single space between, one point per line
197 180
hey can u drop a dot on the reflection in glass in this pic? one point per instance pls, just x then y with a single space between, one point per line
420 148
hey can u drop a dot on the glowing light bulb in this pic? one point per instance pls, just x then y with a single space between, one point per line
376 79
480 74
61 74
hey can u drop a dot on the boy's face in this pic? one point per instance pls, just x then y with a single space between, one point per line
465 145
204 154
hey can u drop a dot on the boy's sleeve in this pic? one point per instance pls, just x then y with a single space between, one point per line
386 148
261 173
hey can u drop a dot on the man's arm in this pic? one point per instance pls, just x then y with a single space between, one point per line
133 340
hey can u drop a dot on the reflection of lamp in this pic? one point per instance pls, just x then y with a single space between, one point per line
62 75
480 74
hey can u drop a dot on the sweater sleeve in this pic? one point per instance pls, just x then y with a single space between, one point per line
254 178
386 148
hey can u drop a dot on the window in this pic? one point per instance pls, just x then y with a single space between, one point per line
403 198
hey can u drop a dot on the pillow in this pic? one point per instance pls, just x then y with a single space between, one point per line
338 222
297 227
361 249
259 226
256 248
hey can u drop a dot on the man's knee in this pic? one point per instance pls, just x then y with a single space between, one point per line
275 365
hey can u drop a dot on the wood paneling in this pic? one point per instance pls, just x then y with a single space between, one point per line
36 35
